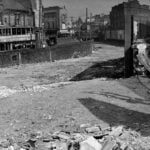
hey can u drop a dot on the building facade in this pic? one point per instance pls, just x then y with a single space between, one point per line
16 25
55 18
118 14
51 18
55 23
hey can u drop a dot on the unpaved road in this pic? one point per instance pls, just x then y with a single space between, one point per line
46 73
36 105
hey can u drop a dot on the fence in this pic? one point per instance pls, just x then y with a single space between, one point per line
65 51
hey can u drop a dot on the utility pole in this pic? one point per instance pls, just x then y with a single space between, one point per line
86 15
90 26
79 29
86 22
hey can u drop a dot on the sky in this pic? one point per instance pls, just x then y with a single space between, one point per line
77 8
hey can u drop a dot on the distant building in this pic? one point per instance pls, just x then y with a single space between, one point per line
17 23
102 20
98 21
117 17
98 24
74 26
55 18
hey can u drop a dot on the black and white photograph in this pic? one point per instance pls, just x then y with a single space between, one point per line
74 74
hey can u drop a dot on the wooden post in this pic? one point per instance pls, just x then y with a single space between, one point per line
86 23
128 52
90 26
20 60
50 54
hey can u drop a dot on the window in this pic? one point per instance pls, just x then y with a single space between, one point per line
14 31
17 19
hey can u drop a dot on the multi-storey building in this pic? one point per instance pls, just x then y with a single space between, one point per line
118 14
55 17
55 21
16 25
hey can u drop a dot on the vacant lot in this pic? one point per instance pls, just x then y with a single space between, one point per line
46 73
45 97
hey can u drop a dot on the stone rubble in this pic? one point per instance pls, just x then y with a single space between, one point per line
91 138
7 92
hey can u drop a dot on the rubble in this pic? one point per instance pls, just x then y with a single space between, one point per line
62 136
109 144
7 92
90 144
93 129
116 131
4 143
112 138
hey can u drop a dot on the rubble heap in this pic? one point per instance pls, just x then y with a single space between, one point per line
87 137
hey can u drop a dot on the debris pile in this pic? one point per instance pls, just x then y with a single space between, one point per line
89 138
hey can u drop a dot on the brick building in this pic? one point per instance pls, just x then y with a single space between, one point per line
118 14
16 24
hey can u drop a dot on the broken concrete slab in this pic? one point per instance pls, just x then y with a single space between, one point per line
90 144
93 129
116 131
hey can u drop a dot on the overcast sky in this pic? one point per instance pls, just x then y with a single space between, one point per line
78 7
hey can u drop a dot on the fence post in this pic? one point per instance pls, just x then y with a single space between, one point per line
20 59
51 55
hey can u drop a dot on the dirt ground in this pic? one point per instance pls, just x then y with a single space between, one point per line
50 96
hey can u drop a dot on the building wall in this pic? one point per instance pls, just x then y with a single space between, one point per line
51 18
63 18
16 25
55 22
17 18
16 13
124 10
117 20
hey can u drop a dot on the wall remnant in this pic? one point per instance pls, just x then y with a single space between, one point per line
49 54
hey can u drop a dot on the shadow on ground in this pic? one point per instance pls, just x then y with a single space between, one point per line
116 115
111 42
111 113
109 69
128 99
114 69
